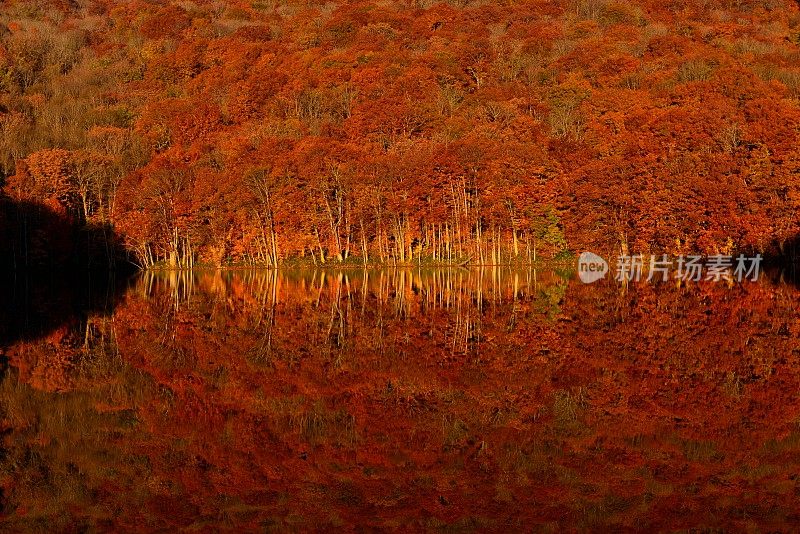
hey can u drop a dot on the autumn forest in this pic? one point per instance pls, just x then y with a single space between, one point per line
271 132
340 266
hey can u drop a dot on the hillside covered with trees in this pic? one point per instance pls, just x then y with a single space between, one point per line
401 131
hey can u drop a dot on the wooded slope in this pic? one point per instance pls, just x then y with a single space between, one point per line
465 130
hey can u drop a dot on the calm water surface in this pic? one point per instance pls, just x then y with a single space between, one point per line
442 400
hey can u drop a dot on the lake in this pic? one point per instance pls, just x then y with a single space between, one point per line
452 399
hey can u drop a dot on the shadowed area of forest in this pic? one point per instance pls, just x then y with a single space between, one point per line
55 268
41 238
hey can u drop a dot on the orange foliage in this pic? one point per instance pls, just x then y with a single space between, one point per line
470 133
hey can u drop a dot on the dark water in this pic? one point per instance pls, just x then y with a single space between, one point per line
448 400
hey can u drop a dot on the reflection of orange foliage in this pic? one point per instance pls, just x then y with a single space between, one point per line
46 364
52 371
434 398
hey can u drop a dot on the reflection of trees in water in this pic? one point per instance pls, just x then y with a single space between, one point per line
516 397
366 298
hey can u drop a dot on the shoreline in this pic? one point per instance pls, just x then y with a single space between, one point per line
364 267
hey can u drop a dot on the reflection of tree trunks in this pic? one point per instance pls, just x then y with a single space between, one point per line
400 293
268 289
